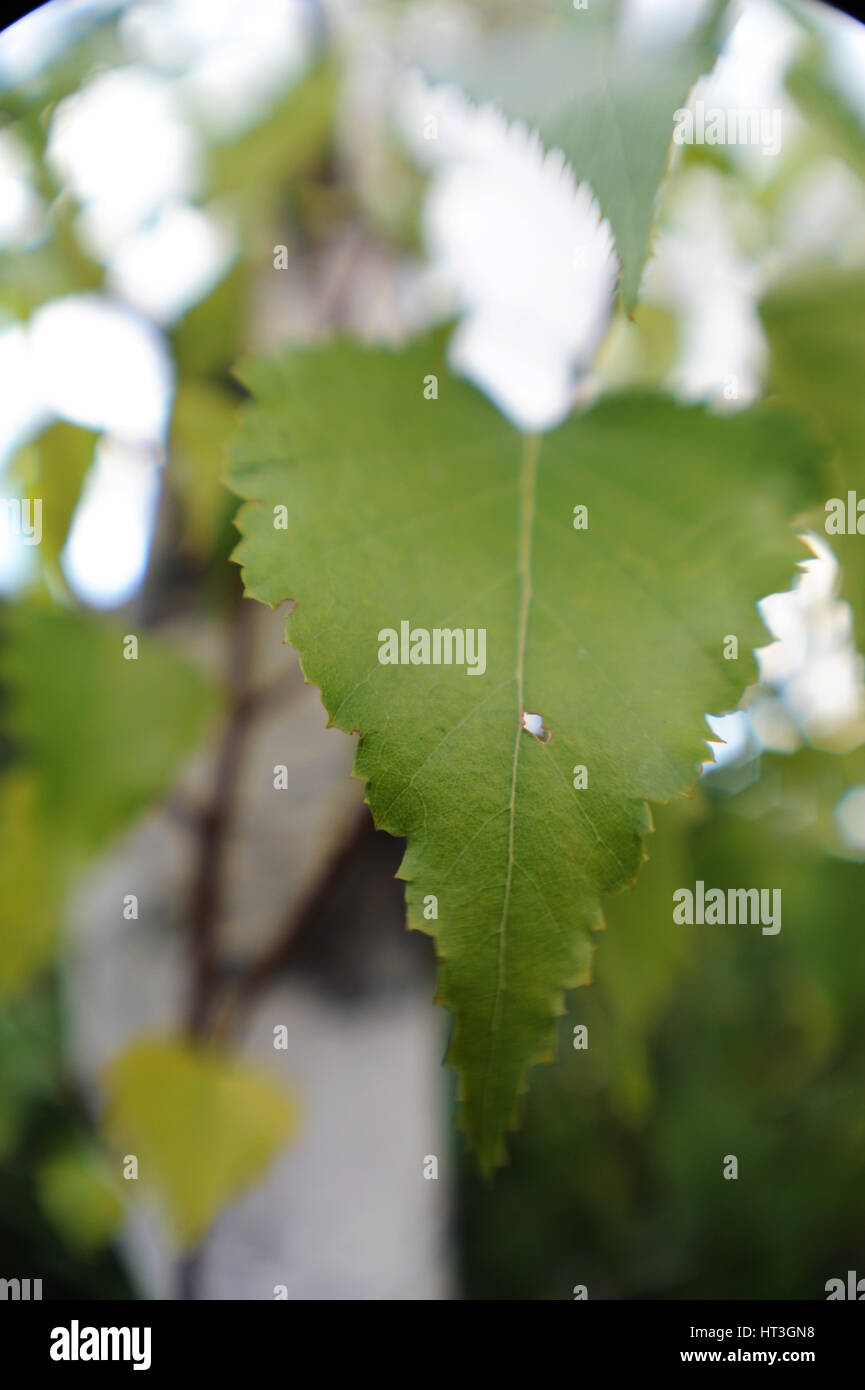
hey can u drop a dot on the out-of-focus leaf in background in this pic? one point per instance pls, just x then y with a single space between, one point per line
54 468
815 328
756 1051
31 881
80 1196
607 104
97 739
201 424
113 741
271 154
202 1126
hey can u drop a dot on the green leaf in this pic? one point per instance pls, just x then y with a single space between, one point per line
637 969
435 512
29 1046
79 1196
30 884
815 325
816 329
287 141
201 422
608 105
202 1126
55 466
207 339
98 739
105 734
828 110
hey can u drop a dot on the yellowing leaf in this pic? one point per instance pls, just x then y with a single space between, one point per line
202 1126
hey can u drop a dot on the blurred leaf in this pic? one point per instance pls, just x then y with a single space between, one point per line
202 1126
758 1051
98 738
56 464
28 1060
105 735
638 350
52 267
640 958
90 41
825 106
289 140
32 277
11 1111
30 883
606 104
816 329
436 512
204 417
79 1198
210 337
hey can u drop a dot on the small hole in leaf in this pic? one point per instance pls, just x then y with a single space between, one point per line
534 725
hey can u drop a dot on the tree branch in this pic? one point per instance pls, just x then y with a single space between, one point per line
296 927
214 823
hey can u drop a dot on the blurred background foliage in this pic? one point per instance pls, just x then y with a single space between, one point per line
702 1041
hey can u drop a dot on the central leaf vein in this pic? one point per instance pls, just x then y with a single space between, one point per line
525 532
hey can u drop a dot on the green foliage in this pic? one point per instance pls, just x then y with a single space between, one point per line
436 512
210 335
27 1039
607 105
113 746
285 143
30 884
202 421
828 112
44 272
79 1195
813 84
756 1050
97 739
55 467
56 1204
814 325
202 1126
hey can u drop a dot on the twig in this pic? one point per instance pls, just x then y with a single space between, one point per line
205 896
296 926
